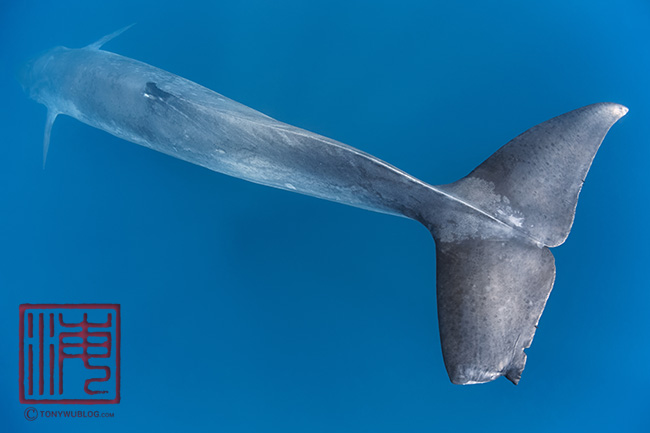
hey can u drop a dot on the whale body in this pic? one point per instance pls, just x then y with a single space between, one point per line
492 229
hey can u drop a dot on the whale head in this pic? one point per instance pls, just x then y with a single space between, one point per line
35 75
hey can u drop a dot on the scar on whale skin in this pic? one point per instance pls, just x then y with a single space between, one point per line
152 91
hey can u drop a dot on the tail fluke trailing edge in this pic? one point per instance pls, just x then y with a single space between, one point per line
494 269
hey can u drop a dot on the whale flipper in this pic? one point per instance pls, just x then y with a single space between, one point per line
99 43
494 268
49 121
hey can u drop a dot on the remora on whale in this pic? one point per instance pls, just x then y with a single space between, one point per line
492 229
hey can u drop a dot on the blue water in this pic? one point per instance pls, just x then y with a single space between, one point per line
248 309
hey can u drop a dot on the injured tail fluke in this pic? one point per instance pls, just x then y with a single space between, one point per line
494 269
491 294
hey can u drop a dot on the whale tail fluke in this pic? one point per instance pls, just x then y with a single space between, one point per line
494 267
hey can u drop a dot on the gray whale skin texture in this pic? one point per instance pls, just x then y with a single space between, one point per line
492 229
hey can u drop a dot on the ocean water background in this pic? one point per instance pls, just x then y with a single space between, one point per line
248 309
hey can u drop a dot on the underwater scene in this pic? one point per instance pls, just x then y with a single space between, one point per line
286 254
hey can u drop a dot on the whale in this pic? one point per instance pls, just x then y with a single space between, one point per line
492 229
